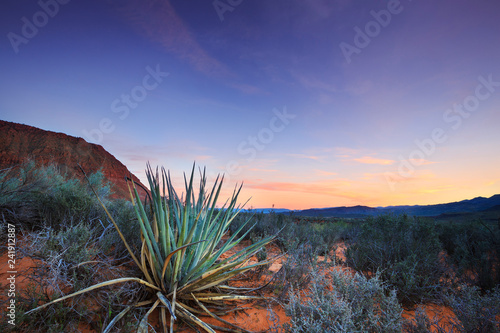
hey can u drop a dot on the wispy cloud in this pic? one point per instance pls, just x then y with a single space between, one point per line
436 190
331 187
346 152
313 83
263 170
373 160
493 182
418 175
418 162
249 89
159 22
305 156
324 173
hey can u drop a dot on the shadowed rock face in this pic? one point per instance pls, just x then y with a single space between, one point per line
21 142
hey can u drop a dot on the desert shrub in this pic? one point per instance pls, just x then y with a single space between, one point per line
404 250
34 196
61 252
340 302
476 312
320 236
66 260
124 215
73 244
57 318
17 187
295 272
473 250
259 225
69 201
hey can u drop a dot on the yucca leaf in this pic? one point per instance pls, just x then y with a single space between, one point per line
143 325
167 260
96 286
200 304
116 318
123 313
146 230
167 304
229 298
189 316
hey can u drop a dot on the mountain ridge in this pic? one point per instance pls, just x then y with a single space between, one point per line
473 205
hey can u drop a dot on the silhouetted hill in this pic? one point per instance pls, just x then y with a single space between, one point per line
21 142
466 206
355 211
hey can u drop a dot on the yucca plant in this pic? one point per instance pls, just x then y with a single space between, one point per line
181 254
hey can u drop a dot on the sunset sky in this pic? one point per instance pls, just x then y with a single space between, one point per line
316 103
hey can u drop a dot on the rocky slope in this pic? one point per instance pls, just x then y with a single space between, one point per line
20 142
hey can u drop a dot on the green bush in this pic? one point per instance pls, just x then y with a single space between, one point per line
124 215
340 302
320 236
404 250
473 251
69 201
476 312
35 196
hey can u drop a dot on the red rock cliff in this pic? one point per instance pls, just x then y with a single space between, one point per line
20 142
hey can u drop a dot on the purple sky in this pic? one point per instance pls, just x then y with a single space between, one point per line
311 103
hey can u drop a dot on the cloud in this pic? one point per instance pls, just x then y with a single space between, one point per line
360 88
435 190
331 187
263 170
313 83
203 157
249 89
305 156
159 22
416 176
373 160
418 162
493 182
325 173
345 152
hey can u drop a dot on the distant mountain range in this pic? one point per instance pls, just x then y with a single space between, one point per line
466 206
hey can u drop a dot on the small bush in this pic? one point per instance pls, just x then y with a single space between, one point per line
339 302
291 234
476 312
295 272
124 214
406 252
35 196
473 251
